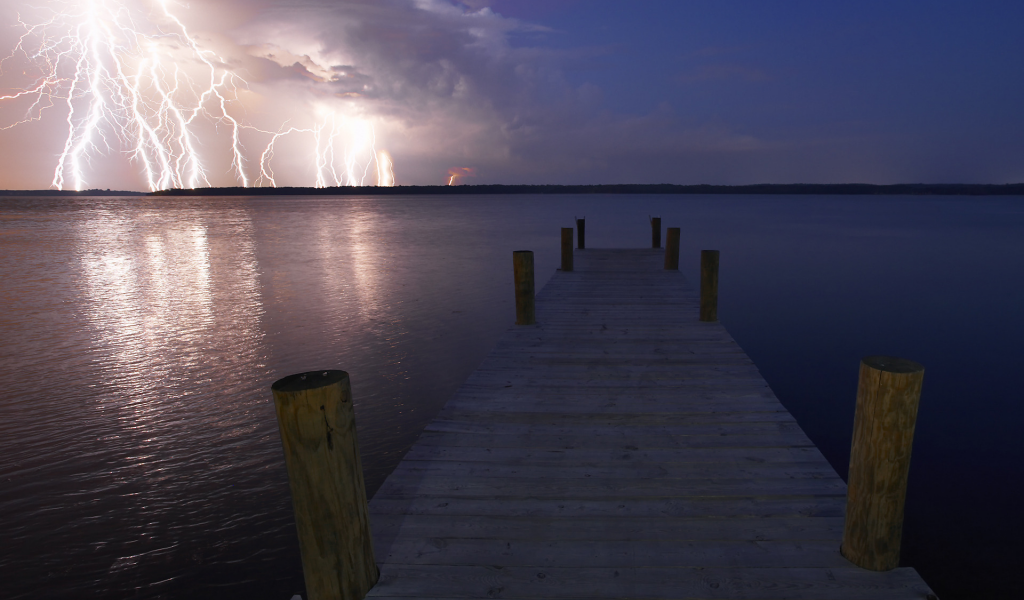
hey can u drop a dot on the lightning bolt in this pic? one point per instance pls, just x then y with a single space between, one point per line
131 79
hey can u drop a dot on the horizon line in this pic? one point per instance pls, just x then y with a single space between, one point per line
938 189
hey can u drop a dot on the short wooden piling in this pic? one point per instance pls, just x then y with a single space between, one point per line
567 248
581 230
709 285
655 232
522 267
888 394
318 433
672 249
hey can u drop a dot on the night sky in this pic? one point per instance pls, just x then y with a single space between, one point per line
586 91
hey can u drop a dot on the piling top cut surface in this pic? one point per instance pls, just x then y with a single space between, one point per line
310 380
892 364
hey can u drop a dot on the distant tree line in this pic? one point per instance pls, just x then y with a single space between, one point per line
862 189
847 189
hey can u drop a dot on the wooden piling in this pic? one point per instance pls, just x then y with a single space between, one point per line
888 394
522 267
709 285
567 248
655 232
672 249
318 433
581 230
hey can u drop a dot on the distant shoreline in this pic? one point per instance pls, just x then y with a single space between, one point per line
839 189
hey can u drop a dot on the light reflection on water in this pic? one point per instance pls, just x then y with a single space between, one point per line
139 454
147 446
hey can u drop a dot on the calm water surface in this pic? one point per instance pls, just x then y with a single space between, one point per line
139 454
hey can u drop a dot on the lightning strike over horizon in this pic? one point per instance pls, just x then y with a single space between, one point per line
129 78
455 174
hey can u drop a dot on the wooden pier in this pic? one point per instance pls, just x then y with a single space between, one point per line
618 448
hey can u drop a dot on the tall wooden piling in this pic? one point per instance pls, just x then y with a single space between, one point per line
709 285
888 394
672 249
522 268
581 230
655 232
318 433
567 248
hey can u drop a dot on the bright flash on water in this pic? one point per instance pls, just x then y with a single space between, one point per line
130 78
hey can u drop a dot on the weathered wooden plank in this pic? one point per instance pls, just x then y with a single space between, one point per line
616 429
678 329
619 441
687 367
710 347
829 505
627 581
614 405
408 484
527 369
707 354
683 398
496 383
527 399
612 553
677 472
617 455
658 385
605 369
709 401
536 354
756 529
476 414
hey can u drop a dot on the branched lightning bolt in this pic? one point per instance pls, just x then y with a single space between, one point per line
349 167
130 78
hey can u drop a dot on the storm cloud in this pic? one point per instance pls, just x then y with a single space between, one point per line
589 92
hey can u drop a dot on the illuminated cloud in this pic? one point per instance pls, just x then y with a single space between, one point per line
456 174
322 86
315 90
329 84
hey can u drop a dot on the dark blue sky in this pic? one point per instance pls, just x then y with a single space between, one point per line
581 91
884 91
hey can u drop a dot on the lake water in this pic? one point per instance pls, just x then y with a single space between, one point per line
139 453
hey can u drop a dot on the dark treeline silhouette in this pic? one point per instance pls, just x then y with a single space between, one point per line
860 189
69 193
658 188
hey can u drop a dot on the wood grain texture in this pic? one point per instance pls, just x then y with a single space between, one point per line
522 271
672 249
888 394
618 448
635 529
567 248
318 433
629 581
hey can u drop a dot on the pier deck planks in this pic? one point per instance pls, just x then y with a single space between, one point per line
619 448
